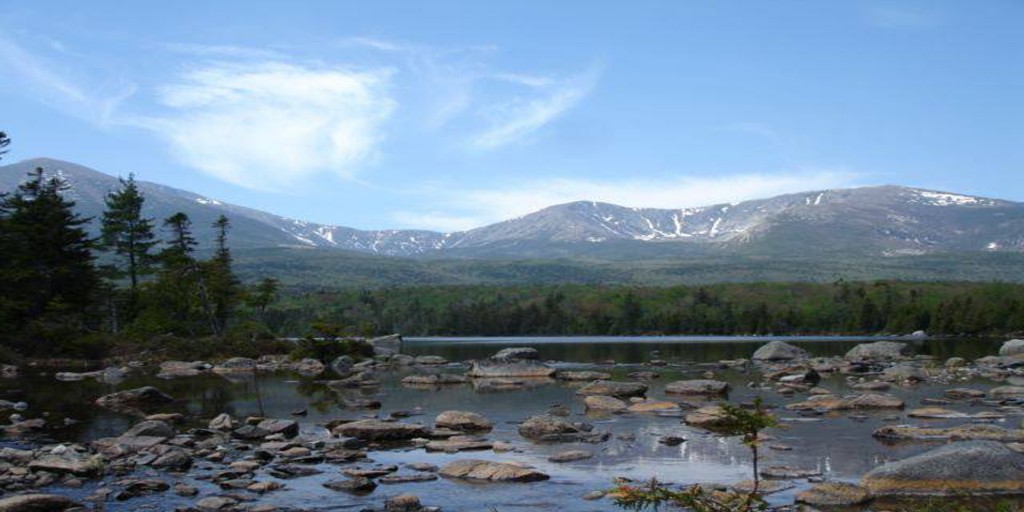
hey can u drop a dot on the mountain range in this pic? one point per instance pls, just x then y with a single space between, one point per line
824 225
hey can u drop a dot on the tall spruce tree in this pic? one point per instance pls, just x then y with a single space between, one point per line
129 236
223 286
50 282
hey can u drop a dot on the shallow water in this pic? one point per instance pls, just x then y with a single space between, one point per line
841 447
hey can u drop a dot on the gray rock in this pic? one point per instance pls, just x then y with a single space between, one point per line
222 422
516 354
502 368
236 365
214 503
376 430
150 429
878 351
778 350
834 494
697 387
37 503
570 456
536 427
613 388
359 485
970 467
430 360
1012 348
463 421
1007 392
133 398
584 375
342 365
472 469
904 372
604 404
68 464
441 379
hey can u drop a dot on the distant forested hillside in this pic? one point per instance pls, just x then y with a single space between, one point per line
767 308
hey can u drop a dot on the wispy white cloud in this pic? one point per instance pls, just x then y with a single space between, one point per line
464 209
273 125
517 119
54 85
224 51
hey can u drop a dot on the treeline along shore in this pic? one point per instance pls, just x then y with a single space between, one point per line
841 307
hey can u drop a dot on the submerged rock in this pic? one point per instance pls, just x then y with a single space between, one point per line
969 467
473 469
778 350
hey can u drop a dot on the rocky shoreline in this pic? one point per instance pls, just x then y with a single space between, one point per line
229 463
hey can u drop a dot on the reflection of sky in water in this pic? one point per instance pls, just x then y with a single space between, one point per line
840 447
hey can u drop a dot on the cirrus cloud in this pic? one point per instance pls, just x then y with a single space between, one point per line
271 125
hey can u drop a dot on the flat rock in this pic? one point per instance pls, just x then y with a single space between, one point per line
788 473
604 404
583 375
459 444
376 430
655 406
859 402
778 350
1007 392
697 387
150 428
958 433
516 354
473 469
833 494
65 464
440 379
969 467
962 393
495 368
236 365
613 388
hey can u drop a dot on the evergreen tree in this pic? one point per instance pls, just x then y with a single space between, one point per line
223 286
129 236
50 281
4 142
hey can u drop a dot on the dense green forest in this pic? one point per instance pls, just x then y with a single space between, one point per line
728 308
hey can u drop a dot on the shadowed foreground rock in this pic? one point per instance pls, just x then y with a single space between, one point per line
970 467
134 398
36 503
473 469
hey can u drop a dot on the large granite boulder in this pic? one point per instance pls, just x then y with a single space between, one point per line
604 404
537 427
613 388
970 467
1012 348
236 365
473 469
150 428
697 387
709 417
1007 392
778 350
957 433
878 351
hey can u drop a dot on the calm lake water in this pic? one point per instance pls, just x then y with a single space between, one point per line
841 447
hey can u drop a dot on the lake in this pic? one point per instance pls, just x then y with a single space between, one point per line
841 448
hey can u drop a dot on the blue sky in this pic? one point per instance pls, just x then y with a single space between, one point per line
450 115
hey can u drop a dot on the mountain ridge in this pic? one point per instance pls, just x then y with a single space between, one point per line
886 220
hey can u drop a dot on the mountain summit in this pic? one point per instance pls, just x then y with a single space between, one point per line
868 221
